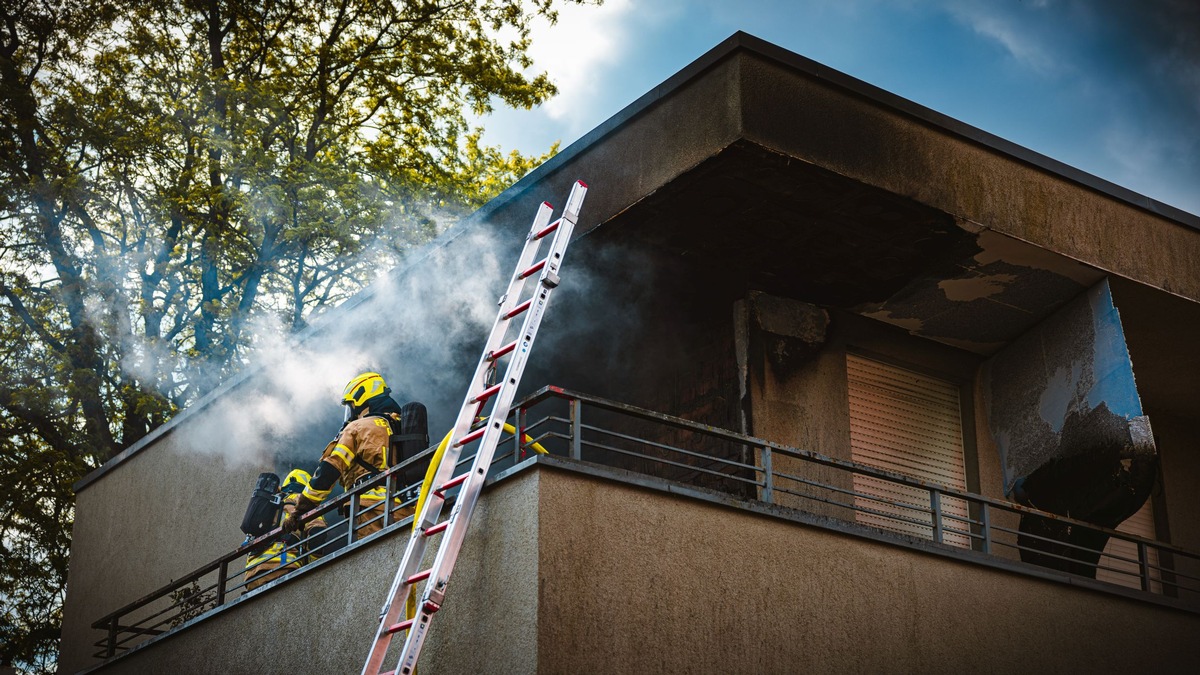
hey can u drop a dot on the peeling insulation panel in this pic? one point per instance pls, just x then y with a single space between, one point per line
1065 389
982 302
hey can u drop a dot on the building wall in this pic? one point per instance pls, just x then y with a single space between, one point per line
639 581
159 516
323 621
1179 442
1176 507
991 475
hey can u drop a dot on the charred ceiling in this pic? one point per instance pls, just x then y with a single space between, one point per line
761 220
791 228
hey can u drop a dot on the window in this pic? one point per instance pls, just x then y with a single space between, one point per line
909 423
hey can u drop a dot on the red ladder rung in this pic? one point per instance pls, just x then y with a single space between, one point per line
534 269
437 528
451 483
502 351
548 229
474 435
402 626
486 393
519 308
419 576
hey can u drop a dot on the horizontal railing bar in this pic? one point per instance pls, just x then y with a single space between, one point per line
853 493
1047 554
601 446
670 448
1048 540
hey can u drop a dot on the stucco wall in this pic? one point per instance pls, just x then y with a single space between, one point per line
157 517
324 620
991 475
633 581
1179 452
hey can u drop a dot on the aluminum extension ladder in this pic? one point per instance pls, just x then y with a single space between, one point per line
515 302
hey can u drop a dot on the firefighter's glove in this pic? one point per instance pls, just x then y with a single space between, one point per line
291 522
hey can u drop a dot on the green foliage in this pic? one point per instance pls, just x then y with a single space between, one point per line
173 170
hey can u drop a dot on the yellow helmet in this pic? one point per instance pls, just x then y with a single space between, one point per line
296 481
362 388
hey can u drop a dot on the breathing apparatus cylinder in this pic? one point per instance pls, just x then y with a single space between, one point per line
412 439
262 514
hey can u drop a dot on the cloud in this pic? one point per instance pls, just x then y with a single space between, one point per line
585 40
1137 152
1011 32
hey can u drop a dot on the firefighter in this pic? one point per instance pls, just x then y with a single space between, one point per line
291 550
359 453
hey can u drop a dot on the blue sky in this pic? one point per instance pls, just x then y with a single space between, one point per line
1111 87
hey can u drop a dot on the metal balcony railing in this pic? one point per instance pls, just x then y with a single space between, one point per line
726 465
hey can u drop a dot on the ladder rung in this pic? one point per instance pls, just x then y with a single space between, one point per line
548 229
437 528
519 308
474 435
403 625
487 393
532 270
451 483
502 351
419 576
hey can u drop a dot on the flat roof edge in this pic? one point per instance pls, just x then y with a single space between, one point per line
961 129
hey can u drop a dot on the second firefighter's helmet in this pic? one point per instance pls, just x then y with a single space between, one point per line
296 481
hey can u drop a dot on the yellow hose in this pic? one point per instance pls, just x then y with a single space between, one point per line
410 603
436 461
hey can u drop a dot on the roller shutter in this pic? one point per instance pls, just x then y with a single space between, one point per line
1126 573
908 423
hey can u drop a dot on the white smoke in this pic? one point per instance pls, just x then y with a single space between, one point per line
407 328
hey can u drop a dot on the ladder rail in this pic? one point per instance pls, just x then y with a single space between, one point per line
464 507
480 391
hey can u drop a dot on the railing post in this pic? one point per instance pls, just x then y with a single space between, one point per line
935 510
1144 565
576 428
389 487
111 646
985 522
519 449
222 578
353 515
768 476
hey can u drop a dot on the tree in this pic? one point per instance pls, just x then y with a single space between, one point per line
173 171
